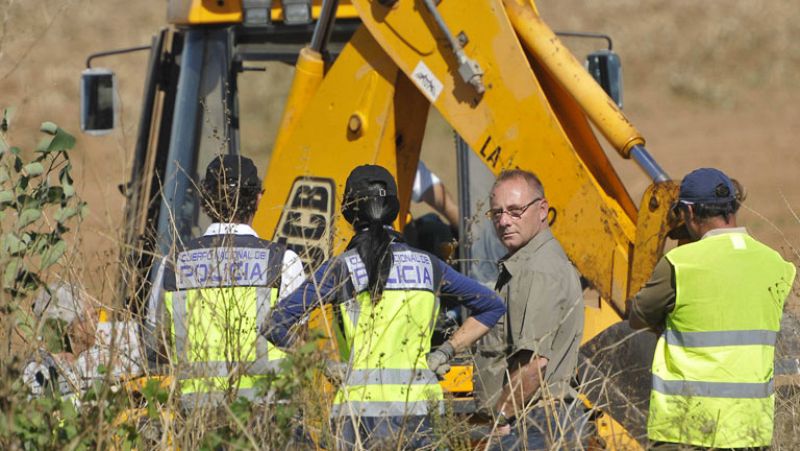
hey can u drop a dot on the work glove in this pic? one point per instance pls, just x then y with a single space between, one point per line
336 372
439 360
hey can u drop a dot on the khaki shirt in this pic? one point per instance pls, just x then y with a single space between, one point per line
543 296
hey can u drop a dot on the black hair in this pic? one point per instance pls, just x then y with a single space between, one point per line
707 211
370 212
229 202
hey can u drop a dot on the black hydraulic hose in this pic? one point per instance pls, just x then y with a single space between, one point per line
324 28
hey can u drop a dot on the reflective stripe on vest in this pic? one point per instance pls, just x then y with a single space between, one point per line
389 340
720 338
383 408
735 390
391 376
224 295
713 366
258 367
212 391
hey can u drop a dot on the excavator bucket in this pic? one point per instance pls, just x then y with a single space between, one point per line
615 373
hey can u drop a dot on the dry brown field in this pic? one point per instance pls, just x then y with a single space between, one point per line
711 83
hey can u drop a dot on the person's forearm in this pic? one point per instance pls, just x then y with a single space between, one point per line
287 314
439 199
650 306
522 385
484 305
467 334
633 316
277 330
448 206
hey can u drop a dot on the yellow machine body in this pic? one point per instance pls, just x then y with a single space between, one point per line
205 12
371 104
526 118
535 110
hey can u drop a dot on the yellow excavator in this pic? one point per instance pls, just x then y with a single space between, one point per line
366 75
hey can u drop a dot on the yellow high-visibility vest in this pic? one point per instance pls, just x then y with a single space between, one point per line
386 343
713 365
219 295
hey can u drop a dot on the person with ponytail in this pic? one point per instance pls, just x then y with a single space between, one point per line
385 297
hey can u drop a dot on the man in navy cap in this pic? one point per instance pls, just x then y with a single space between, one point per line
716 304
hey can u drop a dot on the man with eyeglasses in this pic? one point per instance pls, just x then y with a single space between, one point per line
526 362
716 304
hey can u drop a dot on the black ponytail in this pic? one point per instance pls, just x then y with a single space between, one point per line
370 212
374 246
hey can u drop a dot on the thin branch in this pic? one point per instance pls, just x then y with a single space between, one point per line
776 228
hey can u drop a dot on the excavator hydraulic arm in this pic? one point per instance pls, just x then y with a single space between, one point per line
504 82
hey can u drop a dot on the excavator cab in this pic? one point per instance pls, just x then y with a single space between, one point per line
190 113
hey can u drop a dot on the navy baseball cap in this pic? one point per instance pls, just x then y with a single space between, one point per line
232 170
707 186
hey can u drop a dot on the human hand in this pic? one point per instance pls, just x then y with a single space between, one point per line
502 425
501 431
439 360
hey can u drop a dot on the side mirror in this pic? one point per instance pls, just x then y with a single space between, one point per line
98 101
606 69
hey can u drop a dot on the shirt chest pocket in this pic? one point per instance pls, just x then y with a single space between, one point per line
518 294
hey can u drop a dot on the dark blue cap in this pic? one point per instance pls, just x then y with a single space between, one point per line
233 170
363 177
707 186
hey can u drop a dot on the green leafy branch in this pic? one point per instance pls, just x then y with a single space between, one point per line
38 197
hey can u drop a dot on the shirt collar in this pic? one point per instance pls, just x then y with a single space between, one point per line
222 228
522 257
723 230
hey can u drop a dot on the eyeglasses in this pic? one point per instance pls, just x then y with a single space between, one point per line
515 212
